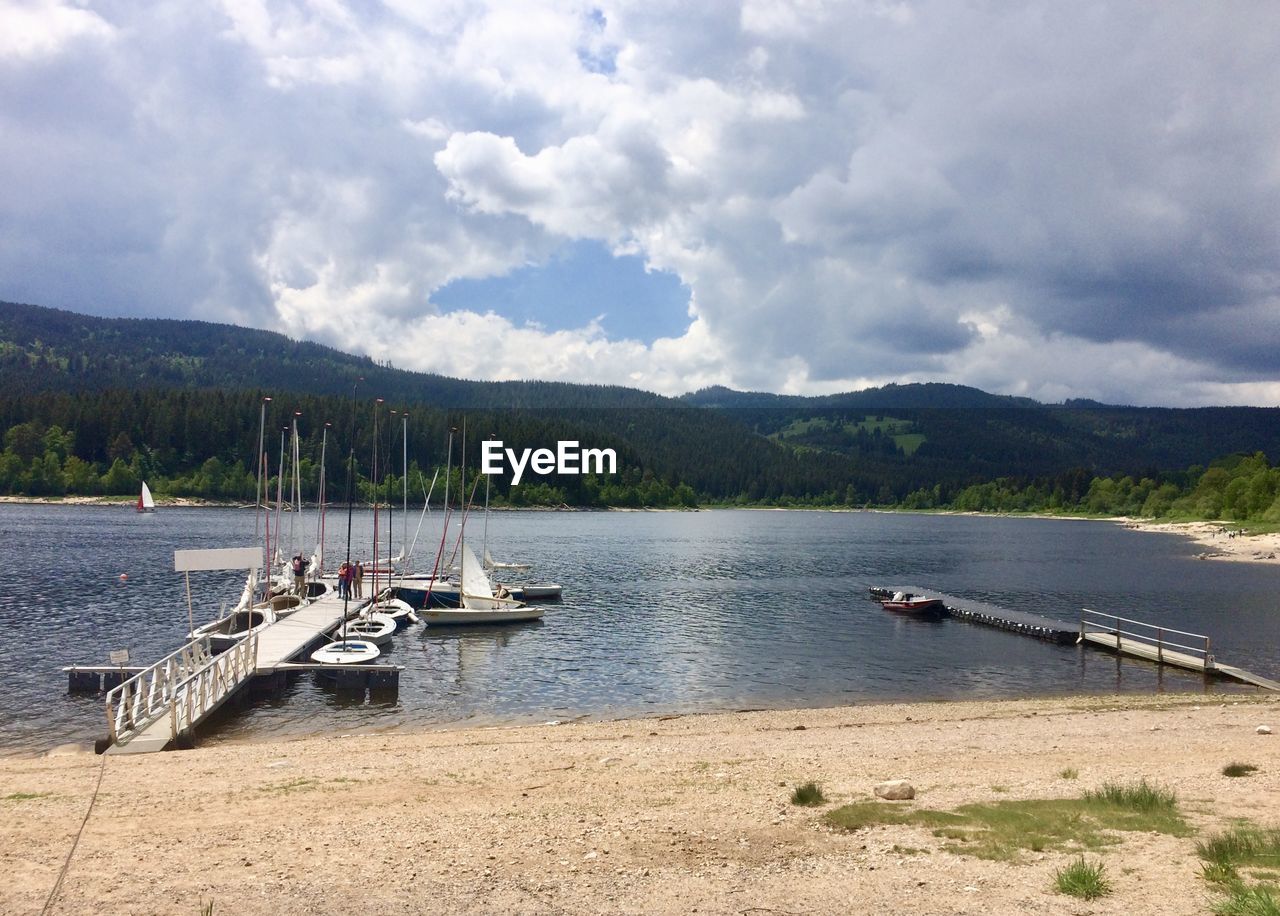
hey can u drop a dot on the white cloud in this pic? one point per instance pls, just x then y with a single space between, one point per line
1038 198
37 29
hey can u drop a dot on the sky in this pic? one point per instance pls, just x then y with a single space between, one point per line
1047 199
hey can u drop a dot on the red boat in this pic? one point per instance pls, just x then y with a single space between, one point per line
907 603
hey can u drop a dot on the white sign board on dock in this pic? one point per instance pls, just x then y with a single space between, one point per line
221 558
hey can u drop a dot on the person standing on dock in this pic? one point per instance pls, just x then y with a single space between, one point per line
344 581
299 576
359 578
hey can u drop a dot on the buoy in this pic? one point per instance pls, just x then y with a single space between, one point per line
123 576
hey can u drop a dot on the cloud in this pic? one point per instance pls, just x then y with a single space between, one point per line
43 29
1034 198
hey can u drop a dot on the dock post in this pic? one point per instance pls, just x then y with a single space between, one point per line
1160 645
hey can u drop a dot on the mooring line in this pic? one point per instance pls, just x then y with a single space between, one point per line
93 799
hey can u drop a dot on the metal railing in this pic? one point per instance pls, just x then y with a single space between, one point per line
185 686
1149 635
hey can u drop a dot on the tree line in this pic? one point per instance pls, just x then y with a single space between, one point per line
203 445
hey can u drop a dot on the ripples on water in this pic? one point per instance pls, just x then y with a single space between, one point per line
663 612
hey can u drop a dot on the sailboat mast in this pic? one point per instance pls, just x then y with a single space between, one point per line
485 541
351 465
295 488
322 496
374 481
260 504
404 464
280 488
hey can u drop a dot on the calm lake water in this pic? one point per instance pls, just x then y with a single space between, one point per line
663 613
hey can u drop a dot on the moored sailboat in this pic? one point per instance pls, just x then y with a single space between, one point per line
478 603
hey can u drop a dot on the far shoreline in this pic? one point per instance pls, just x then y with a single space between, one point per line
1220 540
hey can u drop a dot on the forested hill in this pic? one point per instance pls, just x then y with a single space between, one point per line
935 433
50 350
165 396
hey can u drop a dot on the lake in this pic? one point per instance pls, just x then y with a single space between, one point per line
664 612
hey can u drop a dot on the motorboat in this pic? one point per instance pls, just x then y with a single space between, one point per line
907 603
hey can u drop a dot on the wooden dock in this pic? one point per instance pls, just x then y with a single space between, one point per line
281 641
1162 645
1121 635
156 706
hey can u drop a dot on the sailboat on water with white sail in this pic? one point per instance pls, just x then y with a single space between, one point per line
477 602
145 501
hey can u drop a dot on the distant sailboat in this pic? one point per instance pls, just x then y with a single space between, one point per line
145 502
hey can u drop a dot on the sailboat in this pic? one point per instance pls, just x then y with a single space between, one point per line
526 591
145 502
478 603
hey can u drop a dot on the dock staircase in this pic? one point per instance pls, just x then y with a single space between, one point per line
166 701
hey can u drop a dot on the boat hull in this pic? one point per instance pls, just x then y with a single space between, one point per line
438 617
918 607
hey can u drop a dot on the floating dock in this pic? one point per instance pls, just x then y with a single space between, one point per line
150 709
991 615
1121 635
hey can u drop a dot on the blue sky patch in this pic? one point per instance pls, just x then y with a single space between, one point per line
582 281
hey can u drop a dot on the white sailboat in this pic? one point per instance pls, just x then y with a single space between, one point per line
346 652
145 502
375 627
478 603
491 564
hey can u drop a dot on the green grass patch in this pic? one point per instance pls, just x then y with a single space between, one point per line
1248 901
1242 847
1230 852
27 796
1003 830
1069 773
1083 879
808 795
1239 769
1141 797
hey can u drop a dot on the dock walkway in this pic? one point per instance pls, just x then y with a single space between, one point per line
1121 635
148 711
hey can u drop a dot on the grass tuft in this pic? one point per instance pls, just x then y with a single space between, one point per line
1242 846
1248 901
1069 773
1239 769
1083 879
808 795
1139 796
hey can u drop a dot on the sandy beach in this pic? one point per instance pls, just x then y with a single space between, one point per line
1219 540
677 814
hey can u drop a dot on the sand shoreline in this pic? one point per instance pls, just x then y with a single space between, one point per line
672 814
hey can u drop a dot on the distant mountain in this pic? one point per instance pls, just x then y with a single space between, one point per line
916 395
107 376
43 349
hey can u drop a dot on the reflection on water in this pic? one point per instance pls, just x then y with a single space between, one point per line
663 612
